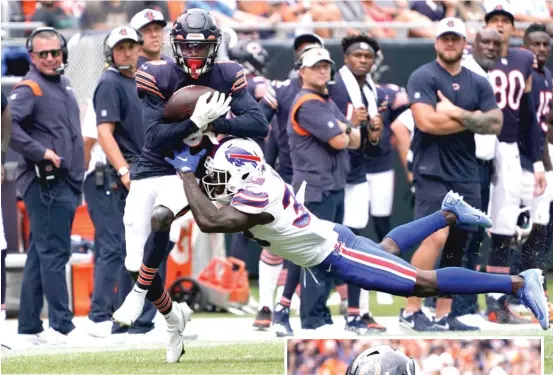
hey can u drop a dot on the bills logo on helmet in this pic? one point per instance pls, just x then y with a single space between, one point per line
240 157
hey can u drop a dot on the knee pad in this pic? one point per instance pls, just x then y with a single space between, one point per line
162 218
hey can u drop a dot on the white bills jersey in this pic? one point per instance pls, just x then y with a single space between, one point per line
295 234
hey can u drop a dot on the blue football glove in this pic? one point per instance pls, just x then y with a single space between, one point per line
184 161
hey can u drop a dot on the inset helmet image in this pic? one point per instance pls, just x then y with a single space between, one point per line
382 359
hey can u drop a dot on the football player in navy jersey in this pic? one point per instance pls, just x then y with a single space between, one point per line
150 24
511 80
533 253
355 94
156 196
253 57
277 101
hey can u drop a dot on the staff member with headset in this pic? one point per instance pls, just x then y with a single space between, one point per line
118 113
319 136
46 131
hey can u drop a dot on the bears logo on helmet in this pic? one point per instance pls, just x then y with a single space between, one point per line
251 55
195 39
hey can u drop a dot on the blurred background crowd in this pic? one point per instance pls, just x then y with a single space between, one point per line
432 356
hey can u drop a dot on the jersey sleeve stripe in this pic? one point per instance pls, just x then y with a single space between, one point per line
253 194
156 92
247 202
271 101
146 83
240 83
146 76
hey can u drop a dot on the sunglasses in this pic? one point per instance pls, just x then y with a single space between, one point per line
44 54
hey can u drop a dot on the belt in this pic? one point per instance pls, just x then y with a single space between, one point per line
484 163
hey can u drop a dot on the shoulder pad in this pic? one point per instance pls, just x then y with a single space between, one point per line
154 78
252 199
35 87
233 74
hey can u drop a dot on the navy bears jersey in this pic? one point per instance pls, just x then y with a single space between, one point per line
278 100
157 81
253 83
542 91
508 77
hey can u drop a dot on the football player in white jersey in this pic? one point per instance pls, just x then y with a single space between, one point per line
253 199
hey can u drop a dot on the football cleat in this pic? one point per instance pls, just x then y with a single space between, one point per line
175 332
532 296
131 308
467 216
263 319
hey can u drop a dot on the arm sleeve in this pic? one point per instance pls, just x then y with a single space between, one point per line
269 103
528 112
160 134
316 118
107 104
249 120
420 88
250 201
22 106
486 96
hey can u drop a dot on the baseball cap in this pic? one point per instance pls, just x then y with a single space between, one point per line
314 56
451 25
499 7
145 17
122 33
307 38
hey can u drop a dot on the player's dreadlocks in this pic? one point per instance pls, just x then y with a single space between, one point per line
349 40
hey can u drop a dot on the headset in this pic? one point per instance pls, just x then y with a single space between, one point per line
63 42
108 52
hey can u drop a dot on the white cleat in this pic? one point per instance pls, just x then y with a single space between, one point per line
176 323
131 308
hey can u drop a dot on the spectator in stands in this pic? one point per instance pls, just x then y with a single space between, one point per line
524 11
49 178
107 14
51 14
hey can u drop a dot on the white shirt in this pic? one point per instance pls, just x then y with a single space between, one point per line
90 131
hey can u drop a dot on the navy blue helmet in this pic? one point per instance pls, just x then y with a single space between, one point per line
251 55
195 39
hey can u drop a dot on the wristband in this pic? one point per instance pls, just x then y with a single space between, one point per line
538 166
122 171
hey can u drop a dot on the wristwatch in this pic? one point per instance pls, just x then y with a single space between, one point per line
122 171
348 130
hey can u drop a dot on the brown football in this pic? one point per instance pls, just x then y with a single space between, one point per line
181 104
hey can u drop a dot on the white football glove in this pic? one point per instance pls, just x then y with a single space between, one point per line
205 112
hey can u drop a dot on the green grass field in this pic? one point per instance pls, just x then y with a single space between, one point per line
216 359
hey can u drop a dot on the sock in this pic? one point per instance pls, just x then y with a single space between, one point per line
353 311
292 281
159 296
353 297
456 280
532 253
268 277
498 258
381 226
363 302
286 302
342 290
409 235
164 304
154 253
